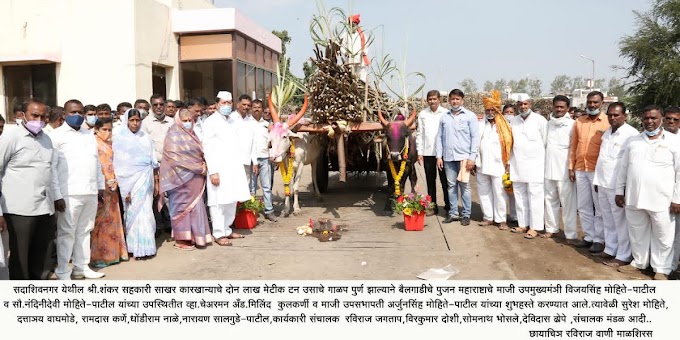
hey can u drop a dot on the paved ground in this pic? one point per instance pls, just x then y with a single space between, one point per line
372 246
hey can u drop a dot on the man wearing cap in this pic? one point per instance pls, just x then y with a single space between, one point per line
527 168
228 184
583 153
355 48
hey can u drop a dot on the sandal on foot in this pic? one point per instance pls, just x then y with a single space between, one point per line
223 241
235 235
184 246
503 226
549 235
519 230
485 223
531 234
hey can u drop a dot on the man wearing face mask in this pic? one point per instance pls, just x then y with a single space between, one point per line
527 168
671 122
559 190
648 186
28 191
81 186
617 243
90 118
227 183
494 153
583 153
143 106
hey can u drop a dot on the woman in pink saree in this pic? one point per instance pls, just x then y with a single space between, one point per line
182 173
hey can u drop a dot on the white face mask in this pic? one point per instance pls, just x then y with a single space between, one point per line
187 125
19 121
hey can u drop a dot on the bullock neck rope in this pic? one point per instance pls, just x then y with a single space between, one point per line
402 167
287 172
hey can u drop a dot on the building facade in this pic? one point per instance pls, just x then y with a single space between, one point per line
110 51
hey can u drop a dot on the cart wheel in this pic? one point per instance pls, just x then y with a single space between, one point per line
322 172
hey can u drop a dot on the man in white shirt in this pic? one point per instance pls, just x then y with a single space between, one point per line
527 168
227 183
559 189
156 125
671 122
81 182
27 200
265 173
491 163
428 126
648 184
246 137
617 243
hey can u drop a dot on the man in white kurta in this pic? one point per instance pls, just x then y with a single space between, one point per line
559 190
647 184
81 181
489 173
527 168
617 243
671 123
227 183
246 137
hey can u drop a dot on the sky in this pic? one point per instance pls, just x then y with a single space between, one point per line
449 41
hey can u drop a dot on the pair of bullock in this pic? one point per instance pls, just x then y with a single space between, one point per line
398 138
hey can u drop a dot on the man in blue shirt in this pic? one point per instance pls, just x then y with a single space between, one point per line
456 145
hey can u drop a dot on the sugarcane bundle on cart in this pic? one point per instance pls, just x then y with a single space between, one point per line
346 91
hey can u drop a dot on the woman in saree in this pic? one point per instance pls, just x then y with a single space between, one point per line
136 168
183 175
107 244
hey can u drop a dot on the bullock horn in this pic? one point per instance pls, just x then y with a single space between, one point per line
383 121
272 109
411 118
300 114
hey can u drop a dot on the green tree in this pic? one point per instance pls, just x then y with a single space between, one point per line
599 83
534 87
578 83
522 86
284 63
308 69
468 85
500 84
616 88
488 86
561 84
654 56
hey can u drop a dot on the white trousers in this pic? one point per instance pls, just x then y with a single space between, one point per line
591 220
560 193
222 216
73 233
651 239
675 219
4 248
512 211
492 197
616 239
529 200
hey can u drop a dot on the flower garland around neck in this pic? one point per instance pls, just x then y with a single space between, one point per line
402 167
287 172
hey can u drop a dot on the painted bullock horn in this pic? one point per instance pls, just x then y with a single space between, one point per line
382 119
411 118
272 109
300 114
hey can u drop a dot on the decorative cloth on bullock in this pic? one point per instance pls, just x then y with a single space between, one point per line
504 131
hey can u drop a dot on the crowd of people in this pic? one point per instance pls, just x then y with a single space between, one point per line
85 188
623 184
91 188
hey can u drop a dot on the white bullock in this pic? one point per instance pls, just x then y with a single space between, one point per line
305 151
